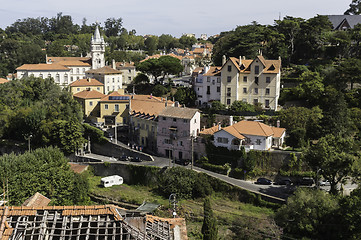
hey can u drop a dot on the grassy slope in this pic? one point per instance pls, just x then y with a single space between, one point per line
226 210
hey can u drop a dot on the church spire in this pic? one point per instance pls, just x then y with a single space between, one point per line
97 49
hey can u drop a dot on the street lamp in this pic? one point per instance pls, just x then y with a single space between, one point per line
28 137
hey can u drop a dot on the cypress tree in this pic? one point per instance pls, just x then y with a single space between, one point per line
209 227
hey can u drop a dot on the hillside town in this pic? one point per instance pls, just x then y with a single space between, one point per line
252 133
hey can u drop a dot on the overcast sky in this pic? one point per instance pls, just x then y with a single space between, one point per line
172 17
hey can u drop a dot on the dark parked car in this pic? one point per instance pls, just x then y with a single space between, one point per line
283 181
182 162
307 181
136 159
124 158
263 181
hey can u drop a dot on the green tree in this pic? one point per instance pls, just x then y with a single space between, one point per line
187 42
151 45
140 78
159 90
170 65
151 67
217 106
350 70
186 96
311 87
238 107
355 8
113 27
308 214
334 157
209 227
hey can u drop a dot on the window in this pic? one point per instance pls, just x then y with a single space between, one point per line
90 103
208 89
222 140
71 70
49 75
57 77
129 78
184 133
83 70
77 70
258 141
164 130
98 88
244 90
213 81
174 119
256 91
218 89
228 92
229 79
255 101
106 106
164 118
78 89
244 100
228 101
113 80
40 75
229 67
256 69
185 121
116 108
218 80
267 91
77 78
66 78
267 103
208 79
71 78
195 120
129 71
108 88
268 79
167 141
181 143
245 79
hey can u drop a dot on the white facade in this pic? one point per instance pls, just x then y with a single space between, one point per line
208 85
97 50
61 77
252 81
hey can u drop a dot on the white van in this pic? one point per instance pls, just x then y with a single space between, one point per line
112 180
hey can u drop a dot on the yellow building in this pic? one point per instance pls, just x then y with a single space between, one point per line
144 110
89 99
114 109
86 84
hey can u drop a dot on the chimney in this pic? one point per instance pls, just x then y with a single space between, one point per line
176 104
88 79
166 101
113 64
219 126
204 128
240 60
224 60
244 57
151 95
279 58
230 120
214 124
278 123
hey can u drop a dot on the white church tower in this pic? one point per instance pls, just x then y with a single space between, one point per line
97 50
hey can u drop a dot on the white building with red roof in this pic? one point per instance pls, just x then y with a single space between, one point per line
252 135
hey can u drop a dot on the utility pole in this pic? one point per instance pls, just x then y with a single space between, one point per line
192 153
115 133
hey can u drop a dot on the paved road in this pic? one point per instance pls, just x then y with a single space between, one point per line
279 192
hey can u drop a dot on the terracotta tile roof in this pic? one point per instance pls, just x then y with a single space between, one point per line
74 63
213 71
198 50
89 94
61 59
42 66
147 104
78 168
179 112
278 132
270 66
3 80
250 128
104 70
158 56
234 131
37 200
108 98
210 131
86 82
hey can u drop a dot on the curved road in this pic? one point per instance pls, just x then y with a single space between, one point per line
279 193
